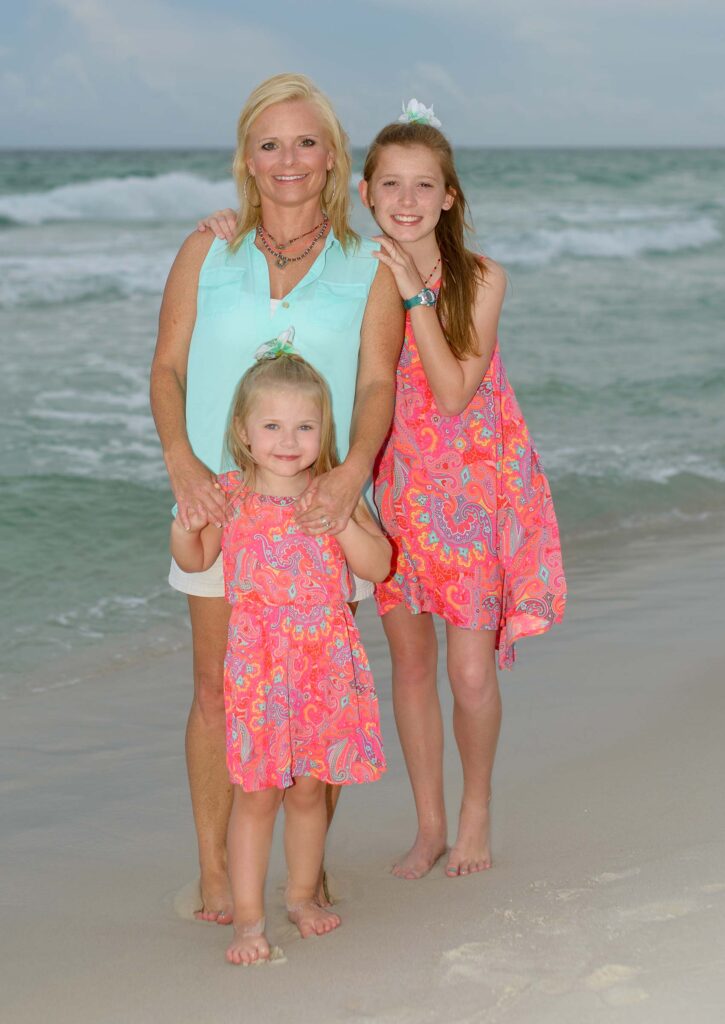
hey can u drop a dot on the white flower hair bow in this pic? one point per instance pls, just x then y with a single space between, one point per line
418 113
281 345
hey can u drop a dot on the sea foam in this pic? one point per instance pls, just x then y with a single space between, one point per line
616 241
176 196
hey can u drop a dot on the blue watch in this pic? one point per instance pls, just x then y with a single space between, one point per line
425 297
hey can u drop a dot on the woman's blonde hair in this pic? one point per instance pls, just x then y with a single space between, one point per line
286 370
335 198
463 270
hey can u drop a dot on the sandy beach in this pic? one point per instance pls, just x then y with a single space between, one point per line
606 901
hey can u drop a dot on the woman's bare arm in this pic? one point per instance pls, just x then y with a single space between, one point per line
334 495
193 483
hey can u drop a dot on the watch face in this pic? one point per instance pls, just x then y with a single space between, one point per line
427 297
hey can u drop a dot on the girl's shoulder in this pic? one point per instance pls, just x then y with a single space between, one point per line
489 266
231 483
493 276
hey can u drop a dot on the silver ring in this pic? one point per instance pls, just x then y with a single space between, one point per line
325 522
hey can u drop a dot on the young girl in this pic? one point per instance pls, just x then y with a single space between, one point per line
459 488
301 710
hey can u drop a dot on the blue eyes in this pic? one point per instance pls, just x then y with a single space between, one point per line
269 146
393 182
275 426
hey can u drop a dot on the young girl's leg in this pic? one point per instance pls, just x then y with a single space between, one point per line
304 843
414 654
476 725
250 837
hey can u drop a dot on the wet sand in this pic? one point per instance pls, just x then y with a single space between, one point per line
606 901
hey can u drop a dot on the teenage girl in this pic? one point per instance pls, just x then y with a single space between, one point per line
459 489
301 709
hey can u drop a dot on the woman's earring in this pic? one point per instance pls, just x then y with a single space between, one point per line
246 194
334 183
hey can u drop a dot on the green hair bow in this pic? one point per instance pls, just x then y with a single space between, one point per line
279 346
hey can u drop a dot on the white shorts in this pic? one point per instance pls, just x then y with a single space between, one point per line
210 583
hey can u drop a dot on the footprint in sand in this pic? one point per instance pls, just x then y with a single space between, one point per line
609 975
653 912
187 900
612 983
615 876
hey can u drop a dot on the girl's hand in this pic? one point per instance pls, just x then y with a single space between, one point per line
196 520
222 222
403 268
196 491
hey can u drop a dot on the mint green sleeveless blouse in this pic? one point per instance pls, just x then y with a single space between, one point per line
233 319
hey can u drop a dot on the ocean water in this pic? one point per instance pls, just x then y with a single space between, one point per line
613 334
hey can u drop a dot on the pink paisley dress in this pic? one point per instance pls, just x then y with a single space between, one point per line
468 509
298 693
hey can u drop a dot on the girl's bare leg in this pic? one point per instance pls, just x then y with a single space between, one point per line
251 826
211 792
304 843
476 725
414 654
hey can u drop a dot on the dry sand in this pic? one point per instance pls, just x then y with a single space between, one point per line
606 902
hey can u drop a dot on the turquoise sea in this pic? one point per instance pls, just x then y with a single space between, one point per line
613 335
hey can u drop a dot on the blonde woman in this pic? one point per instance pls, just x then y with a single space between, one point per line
294 260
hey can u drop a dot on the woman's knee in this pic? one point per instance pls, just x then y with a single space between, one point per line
209 688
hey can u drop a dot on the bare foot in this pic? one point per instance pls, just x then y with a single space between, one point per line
420 858
216 900
249 944
311 918
471 851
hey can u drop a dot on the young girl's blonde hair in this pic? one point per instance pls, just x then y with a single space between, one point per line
286 370
335 198
463 270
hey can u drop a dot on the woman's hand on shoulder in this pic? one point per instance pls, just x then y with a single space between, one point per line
223 223
328 503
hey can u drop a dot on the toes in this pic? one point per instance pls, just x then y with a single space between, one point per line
219 916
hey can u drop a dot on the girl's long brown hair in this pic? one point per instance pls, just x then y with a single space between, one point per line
463 270
290 371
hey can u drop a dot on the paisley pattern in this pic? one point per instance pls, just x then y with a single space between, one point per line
298 693
468 509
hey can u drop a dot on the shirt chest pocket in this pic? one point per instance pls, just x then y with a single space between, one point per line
220 290
337 305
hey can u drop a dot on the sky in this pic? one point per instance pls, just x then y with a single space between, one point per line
148 73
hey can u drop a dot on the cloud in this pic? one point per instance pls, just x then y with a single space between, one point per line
134 69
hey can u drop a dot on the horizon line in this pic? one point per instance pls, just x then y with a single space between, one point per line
176 147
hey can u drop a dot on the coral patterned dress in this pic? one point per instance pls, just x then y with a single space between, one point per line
298 693
468 509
